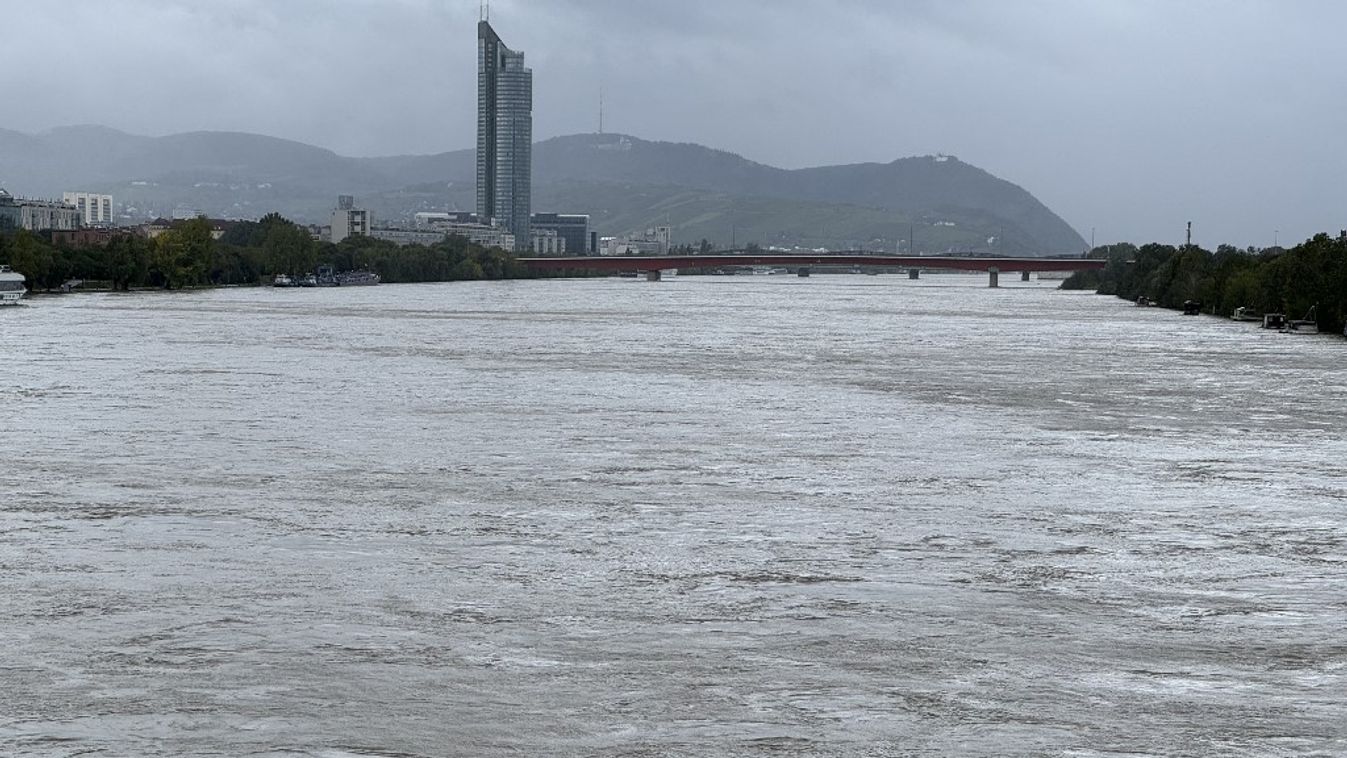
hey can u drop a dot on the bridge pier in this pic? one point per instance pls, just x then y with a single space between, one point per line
995 277
654 275
914 274
1024 276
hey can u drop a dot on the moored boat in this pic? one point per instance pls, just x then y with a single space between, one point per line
1307 325
12 288
282 280
1246 314
358 279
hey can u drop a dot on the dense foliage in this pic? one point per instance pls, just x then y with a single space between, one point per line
188 255
1275 280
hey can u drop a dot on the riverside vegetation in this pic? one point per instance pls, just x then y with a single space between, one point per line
1272 280
250 252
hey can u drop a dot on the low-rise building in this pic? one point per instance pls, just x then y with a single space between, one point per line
432 220
9 211
404 237
550 233
486 236
98 236
572 228
547 242
157 227
461 224
36 215
654 241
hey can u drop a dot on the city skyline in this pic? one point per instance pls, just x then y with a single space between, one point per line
1130 117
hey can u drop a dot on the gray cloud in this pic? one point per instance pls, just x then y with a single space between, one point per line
1131 117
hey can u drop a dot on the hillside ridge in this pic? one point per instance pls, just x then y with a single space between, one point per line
624 182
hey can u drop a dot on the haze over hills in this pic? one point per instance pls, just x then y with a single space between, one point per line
624 183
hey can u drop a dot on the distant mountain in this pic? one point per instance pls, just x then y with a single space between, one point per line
625 183
925 190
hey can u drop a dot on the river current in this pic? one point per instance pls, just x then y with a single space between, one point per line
719 516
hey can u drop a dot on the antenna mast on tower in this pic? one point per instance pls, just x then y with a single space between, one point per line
486 10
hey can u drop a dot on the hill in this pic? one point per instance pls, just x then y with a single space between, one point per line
625 183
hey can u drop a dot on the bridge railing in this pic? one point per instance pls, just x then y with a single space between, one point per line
720 260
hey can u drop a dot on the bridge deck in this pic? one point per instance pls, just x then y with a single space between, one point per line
656 263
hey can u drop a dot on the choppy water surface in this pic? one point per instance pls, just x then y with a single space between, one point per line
720 516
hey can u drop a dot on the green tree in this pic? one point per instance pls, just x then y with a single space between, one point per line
33 258
287 247
183 254
128 260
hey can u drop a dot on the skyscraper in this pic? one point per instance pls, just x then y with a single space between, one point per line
504 135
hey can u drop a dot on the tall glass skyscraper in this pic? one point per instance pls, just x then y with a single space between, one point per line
504 136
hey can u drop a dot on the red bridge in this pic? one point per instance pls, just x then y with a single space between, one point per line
652 265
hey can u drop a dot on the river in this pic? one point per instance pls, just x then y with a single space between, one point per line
719 516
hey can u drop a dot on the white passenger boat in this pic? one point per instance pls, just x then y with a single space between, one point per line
11 286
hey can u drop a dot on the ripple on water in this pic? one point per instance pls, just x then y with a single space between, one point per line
709 517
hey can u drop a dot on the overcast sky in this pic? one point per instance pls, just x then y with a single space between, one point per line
1130 117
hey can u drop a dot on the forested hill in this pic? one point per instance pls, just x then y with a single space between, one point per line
625 183
920 188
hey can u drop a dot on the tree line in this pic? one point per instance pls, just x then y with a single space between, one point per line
249 252
1312 274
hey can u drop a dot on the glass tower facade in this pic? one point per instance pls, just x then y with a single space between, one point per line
504 135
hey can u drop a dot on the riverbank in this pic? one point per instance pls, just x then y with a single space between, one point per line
189 255
1294 281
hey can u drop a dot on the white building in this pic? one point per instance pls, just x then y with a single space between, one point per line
96 210
655 241
348 220
486 236
37 215
404 237
548 242
462 224
432 220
